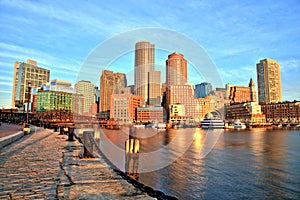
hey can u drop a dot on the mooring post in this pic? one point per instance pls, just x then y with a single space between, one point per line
87 144
71 133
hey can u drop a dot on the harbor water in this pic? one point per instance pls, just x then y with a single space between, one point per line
216 164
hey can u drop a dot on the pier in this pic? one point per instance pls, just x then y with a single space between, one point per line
45 165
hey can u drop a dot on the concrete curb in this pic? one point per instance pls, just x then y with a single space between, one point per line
10 138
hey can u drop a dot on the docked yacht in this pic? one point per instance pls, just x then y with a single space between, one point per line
239 125
209 123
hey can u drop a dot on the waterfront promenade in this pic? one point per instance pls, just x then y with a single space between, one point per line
44 165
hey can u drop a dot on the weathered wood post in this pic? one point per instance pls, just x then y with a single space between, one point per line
88 144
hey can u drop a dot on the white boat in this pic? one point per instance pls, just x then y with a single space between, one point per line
159 126
139 126
209 123
239 125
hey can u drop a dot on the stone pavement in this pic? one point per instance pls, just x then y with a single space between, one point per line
8 129
43 165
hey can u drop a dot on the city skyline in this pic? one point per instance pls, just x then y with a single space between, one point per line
236 39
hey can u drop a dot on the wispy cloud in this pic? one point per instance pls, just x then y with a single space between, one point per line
3 83
5 91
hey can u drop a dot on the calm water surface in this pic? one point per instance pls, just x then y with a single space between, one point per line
251 164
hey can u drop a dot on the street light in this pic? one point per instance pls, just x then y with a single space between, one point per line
28 101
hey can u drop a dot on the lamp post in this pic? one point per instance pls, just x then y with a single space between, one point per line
28 101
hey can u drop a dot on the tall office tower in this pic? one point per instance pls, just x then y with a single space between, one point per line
268 81
176 74
120 83
23 74
86 89
203 89
252 90
61 85
144 63
154 88
110 83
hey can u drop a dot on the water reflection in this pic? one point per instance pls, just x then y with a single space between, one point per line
254 164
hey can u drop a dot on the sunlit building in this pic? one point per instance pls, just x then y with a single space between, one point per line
184 94
150 114
53 100
250 113
282 112
204 106
253 94
86 89
25 73
110 83
144 63
239 94
227 90
176 74
178 114
123 107
154 87
268 81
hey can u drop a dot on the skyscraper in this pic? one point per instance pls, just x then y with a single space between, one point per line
144 63
268 81
110 83
154 88
23 74
86 89
176 74
203 89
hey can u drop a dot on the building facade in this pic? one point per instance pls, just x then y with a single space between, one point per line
269 81
144 63
54 100
253 94
204 106
239 94
227 90
176 74
86 89
154 87
150 114
25 73
123 107
110 83
184 94
176 70
203 89
249 113
282 112
61 85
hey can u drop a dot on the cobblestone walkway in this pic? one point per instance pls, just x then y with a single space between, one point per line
44 165
8 129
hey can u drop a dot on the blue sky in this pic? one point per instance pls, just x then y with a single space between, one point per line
60 35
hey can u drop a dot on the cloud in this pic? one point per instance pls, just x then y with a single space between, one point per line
5 91
2 83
